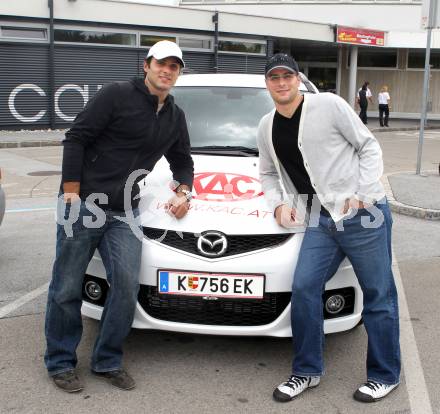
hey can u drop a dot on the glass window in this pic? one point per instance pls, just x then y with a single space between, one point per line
223 116
376 58
150 40
86 36
416 59
323 78
242 47
24 32
194 43
315 54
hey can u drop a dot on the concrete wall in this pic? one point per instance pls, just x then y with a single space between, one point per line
168 17
401 20
379 15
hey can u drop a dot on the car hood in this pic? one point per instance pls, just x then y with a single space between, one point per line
227 197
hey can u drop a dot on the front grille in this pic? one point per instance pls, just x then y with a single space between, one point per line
226 312
237 244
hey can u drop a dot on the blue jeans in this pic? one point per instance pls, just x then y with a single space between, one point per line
369 251
120 250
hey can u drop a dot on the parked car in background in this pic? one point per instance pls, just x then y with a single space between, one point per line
2 199
226 268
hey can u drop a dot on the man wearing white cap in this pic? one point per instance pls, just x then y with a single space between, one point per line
125 128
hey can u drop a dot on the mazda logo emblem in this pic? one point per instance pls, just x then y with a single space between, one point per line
212 243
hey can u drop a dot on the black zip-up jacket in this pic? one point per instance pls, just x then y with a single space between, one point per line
119 132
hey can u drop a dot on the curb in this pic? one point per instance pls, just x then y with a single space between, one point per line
24 144
406 209
58 142
390 129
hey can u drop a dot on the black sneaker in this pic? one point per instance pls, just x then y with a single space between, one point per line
119 378
373 391
68 381
294 386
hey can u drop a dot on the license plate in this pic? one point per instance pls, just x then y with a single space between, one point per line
240 286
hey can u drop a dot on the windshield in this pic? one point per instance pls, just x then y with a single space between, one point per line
223 116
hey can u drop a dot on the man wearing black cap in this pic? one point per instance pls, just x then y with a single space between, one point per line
123 130
316 153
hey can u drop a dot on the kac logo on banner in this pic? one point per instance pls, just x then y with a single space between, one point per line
216 186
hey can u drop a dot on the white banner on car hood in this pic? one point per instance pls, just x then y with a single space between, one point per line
227 197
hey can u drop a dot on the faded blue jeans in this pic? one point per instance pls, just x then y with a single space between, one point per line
120 250
369 251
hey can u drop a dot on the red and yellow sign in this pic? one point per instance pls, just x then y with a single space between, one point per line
356 36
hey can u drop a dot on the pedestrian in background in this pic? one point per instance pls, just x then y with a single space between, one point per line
369 94
384 108
362 101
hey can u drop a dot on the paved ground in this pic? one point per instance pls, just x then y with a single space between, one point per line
410 194
27 138
203 374
416 190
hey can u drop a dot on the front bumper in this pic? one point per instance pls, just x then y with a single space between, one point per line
223 317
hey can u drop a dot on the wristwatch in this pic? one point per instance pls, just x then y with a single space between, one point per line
188 194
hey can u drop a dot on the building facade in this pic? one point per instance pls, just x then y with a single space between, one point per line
52 60
399 63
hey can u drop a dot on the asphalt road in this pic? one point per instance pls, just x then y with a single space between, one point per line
178 373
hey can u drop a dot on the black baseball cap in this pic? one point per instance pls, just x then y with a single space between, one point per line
281 61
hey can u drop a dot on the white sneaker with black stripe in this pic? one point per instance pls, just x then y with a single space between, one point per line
294 386
373 391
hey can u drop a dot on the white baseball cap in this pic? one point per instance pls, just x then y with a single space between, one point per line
164 49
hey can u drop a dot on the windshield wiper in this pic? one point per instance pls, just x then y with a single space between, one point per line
225 150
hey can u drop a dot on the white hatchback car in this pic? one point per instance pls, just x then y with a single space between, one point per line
227 267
